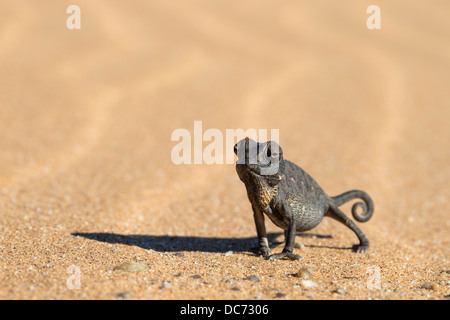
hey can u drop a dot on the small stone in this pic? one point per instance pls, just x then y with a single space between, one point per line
340 291
235 289
130 267
429 286
123 295
252 278
280 295
195 276
165 285
308 284
305 272
229 253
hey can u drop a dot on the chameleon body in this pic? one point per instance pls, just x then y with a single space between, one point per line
290 197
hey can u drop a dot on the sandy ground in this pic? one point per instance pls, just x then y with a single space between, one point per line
86 177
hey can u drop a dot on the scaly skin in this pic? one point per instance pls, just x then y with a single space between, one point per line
290 197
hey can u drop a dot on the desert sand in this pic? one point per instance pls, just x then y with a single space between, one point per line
87 182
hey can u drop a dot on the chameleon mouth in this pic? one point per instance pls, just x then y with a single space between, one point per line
259 169
253 169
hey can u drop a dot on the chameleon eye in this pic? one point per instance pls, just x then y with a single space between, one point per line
271 154
276 152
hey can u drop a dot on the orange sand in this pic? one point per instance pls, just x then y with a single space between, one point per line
86 118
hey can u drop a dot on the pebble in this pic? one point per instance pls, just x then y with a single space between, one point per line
165 285
252 278
340 291
195 276
305 272
308 284
131 267
123 295
280 295
229 253
429 286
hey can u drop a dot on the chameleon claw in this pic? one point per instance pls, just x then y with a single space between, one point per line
263 251
360 247
284 255
266 252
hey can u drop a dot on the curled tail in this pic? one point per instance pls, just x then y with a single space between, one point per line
367 204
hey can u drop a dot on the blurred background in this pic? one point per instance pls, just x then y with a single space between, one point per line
86 115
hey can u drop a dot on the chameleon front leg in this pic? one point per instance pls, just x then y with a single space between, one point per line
276 244
290 238
258 216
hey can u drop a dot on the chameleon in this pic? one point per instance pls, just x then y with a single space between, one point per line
291 198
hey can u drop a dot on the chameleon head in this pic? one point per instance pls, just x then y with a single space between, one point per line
259 158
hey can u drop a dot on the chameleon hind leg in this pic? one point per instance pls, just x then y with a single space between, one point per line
340 216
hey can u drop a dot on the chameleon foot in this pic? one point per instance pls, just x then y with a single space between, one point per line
283 255
363 247
264 251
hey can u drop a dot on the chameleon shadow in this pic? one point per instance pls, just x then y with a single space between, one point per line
166 243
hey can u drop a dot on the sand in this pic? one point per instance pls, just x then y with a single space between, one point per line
87 182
